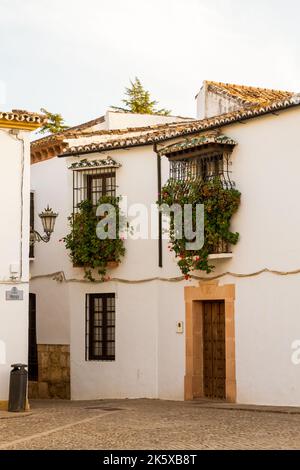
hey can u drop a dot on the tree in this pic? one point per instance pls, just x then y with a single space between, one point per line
55 123
139 100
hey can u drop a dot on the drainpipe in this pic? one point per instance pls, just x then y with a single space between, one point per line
160 254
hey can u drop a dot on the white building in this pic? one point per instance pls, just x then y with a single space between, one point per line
254 287
15 128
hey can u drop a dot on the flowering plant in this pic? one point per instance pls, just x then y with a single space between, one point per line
86 249
220 203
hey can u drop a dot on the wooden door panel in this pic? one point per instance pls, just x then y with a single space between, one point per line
214 349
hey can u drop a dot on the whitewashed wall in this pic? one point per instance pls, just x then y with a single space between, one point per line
117 120
150 354
266 168
134 373
14 214
267 324
52 184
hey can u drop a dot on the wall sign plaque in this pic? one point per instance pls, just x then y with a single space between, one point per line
14 294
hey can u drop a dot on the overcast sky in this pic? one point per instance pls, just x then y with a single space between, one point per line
77 56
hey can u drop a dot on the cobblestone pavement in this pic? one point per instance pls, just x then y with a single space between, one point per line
147 424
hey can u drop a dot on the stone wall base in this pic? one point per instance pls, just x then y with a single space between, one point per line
53 372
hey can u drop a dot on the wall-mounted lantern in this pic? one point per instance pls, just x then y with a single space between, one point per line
48 218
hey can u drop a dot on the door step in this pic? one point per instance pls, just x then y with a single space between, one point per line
221 405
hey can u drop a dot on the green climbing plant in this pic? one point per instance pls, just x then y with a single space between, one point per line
86 249
220 204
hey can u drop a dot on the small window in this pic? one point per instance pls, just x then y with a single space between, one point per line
92 185
100 327
100 185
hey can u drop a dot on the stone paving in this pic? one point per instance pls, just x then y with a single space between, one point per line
147 424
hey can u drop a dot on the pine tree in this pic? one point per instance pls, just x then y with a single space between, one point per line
139 100
55 123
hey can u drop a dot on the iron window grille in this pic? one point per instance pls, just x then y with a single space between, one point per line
100 327
92 184
204 166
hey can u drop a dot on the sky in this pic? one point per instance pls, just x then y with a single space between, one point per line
76 57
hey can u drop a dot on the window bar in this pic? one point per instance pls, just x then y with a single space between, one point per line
204 167
92 184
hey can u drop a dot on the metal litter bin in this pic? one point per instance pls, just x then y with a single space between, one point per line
18 388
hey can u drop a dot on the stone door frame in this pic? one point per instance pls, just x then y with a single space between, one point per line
194 298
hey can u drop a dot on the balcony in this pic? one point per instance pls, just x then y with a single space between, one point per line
221 250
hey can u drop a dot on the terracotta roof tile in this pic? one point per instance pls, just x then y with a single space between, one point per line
254 102
44 148
210 137
169 131
23 116
247 95
82 131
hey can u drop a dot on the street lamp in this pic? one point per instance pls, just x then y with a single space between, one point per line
48 218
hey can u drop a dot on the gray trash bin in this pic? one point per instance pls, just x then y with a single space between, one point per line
18 388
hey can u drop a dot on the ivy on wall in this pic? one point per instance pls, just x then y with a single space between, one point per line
86 249
220 204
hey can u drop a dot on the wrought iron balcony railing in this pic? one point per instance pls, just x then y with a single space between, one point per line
205 167
220 247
